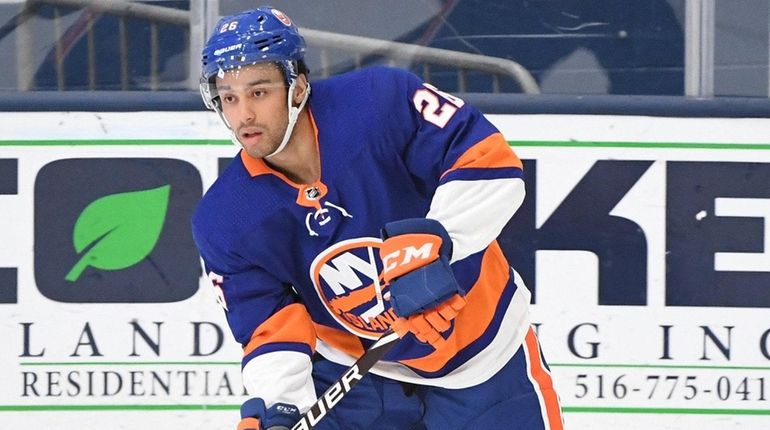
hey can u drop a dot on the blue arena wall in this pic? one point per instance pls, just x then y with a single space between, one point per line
133 101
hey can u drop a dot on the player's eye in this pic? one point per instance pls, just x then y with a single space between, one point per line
228 99
259 93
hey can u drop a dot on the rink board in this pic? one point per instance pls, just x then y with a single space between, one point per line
645 241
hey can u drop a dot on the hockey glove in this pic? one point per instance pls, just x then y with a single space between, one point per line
424 293
255 416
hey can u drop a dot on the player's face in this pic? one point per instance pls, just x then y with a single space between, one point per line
254 103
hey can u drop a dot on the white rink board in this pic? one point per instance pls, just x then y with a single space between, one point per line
626 381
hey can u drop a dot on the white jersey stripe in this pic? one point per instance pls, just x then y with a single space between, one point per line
472 213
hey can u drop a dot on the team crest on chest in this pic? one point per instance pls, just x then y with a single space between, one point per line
347 278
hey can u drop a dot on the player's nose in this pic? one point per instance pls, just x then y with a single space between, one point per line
246 113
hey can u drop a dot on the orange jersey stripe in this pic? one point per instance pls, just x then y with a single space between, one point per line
544 382
475 317
345 342
492 152
290 324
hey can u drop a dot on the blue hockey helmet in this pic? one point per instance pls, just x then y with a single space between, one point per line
261 35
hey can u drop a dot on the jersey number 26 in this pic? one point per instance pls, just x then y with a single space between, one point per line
427 102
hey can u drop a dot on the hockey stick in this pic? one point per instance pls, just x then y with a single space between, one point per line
348 380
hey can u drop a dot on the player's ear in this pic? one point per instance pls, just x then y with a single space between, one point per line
300 88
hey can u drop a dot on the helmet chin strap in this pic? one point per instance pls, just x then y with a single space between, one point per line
293 115
233 137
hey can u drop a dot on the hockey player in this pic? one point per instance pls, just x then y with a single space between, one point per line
372 201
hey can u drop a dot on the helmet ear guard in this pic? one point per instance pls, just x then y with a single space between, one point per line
209 95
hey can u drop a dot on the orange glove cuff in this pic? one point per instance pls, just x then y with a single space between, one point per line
249 424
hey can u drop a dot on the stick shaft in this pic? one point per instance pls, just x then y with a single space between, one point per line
349 379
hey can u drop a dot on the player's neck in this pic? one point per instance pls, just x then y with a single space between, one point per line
300 161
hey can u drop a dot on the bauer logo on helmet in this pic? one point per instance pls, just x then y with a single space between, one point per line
226 49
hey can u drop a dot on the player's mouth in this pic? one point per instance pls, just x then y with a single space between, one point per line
249 135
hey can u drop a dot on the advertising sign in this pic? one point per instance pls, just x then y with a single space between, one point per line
107 320
645 242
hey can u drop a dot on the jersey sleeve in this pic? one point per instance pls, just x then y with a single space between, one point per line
453 151
275 331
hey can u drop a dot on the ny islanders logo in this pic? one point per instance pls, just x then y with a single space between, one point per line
348 280
281 17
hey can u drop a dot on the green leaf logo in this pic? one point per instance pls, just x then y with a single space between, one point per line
119 230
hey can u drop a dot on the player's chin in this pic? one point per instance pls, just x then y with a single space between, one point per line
253 151
253 147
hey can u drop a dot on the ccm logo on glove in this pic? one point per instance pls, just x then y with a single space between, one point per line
402 254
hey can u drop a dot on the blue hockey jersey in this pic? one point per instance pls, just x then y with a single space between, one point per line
297 266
